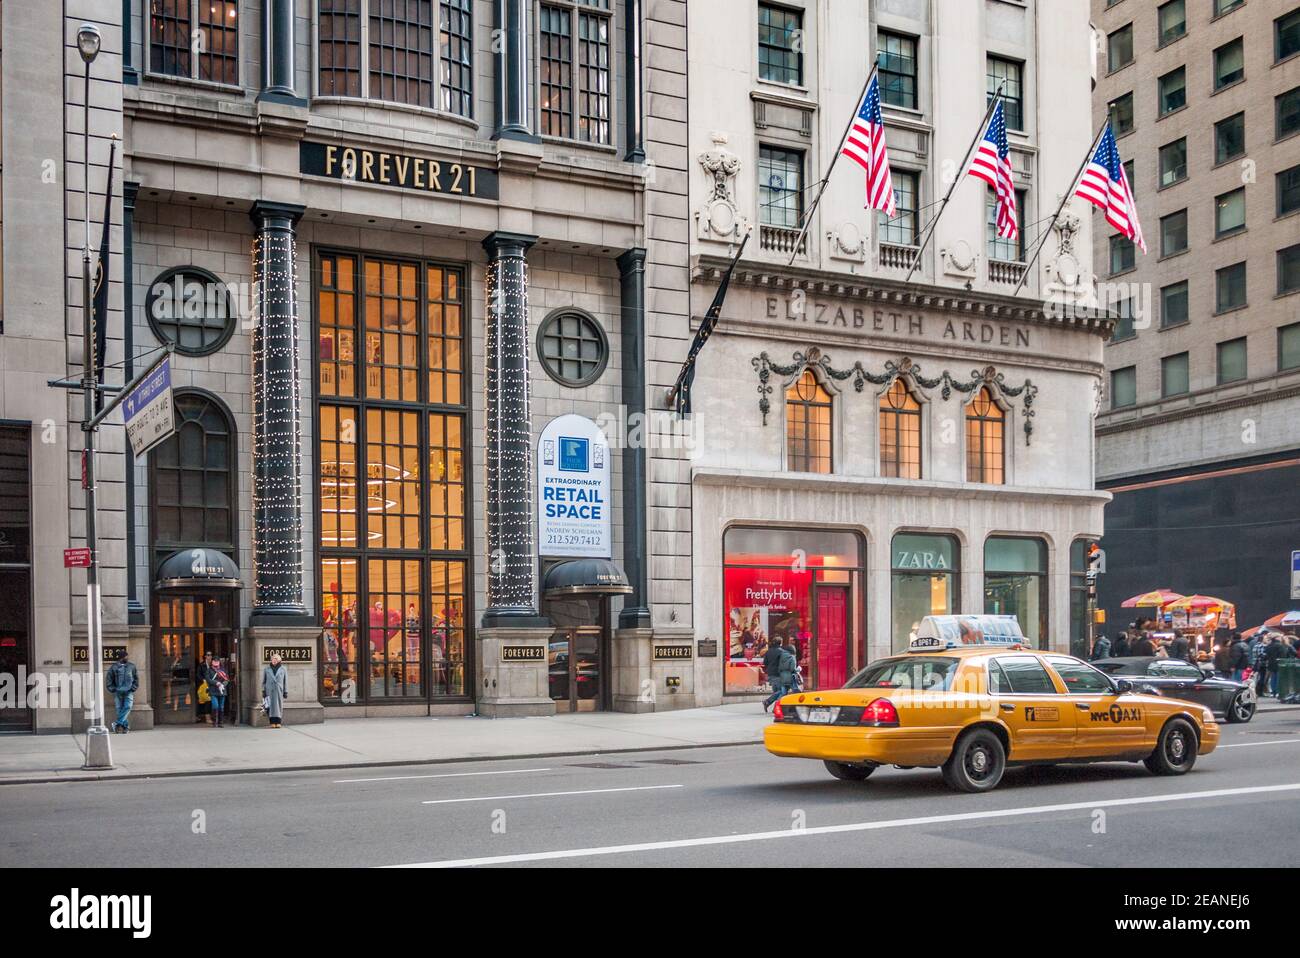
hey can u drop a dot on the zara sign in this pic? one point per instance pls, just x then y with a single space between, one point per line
573 490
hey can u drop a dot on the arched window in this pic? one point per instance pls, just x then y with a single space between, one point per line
985 429
192 482
900 433
808 426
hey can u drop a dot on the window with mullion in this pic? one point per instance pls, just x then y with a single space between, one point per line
808 426
415 52
900 433
896 58
902 228
195 39
575 74
1000 248
1009 74
780 30
780 187
985 430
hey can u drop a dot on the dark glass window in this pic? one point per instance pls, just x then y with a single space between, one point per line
1121 114
1288 191
1174 375
1123 387
1000 248
1023 675
780 187
1229 64
1015 583
1080 678
1230 212
1173 90
1172 17
415 52
900 433
1286 36
573 347
1173 233
576 81
1119 48
1173 162
808 426
196 39
780 38
1010 75
1288 269
896 56
1288 347
1230 138
985 438
1230 360
925 579
1286 109
1173 304
1230 287
903 228
1122 254
1223 6
191 309
393 503
192 478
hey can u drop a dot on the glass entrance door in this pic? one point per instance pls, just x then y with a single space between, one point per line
574 669
186 628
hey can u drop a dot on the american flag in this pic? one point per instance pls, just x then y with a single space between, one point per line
1105 185
865 146
992 164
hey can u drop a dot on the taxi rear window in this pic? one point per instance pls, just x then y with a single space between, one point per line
909 672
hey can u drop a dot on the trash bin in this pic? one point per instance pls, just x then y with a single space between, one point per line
1288 679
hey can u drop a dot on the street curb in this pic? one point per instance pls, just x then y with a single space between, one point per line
132 776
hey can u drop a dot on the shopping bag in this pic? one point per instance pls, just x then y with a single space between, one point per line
204 696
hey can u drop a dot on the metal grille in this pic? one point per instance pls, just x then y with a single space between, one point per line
401 51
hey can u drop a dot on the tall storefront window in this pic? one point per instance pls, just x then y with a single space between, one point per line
985 427
1015 583
924 581
195 39
192 479
900 433
1079 644
15 568
799 586
808 426
393 506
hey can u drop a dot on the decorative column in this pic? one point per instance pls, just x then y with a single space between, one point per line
631 271
634 108
129 76
277 53
513 95
511 553
277 448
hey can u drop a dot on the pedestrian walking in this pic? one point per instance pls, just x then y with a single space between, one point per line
1259 662
772 669
1278 650
1223 655
123 680
275 689
1144 646
203 701
218 680
790 675
1178 647
1120 649
1238 657
1101 648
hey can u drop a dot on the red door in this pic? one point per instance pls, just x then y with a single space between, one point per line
832 640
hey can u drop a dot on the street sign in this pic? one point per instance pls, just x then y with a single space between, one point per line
1295 575
76 558
147 409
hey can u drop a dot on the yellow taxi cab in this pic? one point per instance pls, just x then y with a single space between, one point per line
968 697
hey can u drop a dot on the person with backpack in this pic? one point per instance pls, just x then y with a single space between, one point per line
1101 648
218 680
123 680
1259 662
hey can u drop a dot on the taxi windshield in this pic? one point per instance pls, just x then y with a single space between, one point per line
907 672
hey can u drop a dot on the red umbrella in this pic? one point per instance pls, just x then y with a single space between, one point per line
1157 599
1283 620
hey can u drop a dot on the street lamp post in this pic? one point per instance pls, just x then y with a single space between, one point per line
99 753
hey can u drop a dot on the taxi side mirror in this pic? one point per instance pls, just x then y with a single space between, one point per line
1123 687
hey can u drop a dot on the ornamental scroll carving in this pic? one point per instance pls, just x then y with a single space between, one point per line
946 382
719 217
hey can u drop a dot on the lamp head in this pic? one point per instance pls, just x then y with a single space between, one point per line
88 42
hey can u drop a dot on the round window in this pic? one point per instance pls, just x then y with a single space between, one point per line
191 309
573 347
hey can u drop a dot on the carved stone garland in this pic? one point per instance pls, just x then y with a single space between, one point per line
814 357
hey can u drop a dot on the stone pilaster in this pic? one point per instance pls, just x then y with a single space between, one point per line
277 450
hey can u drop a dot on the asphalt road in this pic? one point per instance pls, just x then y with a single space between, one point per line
708 806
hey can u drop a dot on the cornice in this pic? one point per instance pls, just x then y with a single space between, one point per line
880 290
1194 411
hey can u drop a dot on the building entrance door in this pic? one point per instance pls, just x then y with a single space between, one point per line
577 656
15 643
832 637
186 627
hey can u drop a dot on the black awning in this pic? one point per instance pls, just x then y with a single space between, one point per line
198 569
584 577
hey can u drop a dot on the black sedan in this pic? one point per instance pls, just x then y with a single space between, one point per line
1178 679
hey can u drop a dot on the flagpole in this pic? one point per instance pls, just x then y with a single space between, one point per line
807 220
1042 241
988 112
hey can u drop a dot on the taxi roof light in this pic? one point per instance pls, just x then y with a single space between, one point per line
881 712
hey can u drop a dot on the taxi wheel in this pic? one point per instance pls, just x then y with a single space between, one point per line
850 773
1242 708
1175 751
977 762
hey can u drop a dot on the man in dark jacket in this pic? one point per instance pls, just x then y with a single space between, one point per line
123 680
1238 658
772 669
1120 649
1100 648
1178 647
1144 645
1277 650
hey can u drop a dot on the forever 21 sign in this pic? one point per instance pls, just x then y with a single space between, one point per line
398 169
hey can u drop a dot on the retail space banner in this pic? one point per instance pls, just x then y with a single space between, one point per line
573 490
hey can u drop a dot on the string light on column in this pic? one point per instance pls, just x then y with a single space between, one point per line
277 447
509 481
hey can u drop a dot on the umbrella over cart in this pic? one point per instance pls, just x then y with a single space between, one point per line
1156 599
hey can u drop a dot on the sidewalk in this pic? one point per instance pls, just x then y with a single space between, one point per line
374 742
343 743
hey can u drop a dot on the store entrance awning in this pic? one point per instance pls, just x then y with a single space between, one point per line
197 569
585 577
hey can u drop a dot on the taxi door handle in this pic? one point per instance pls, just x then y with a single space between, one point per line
1082 706
1008 706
